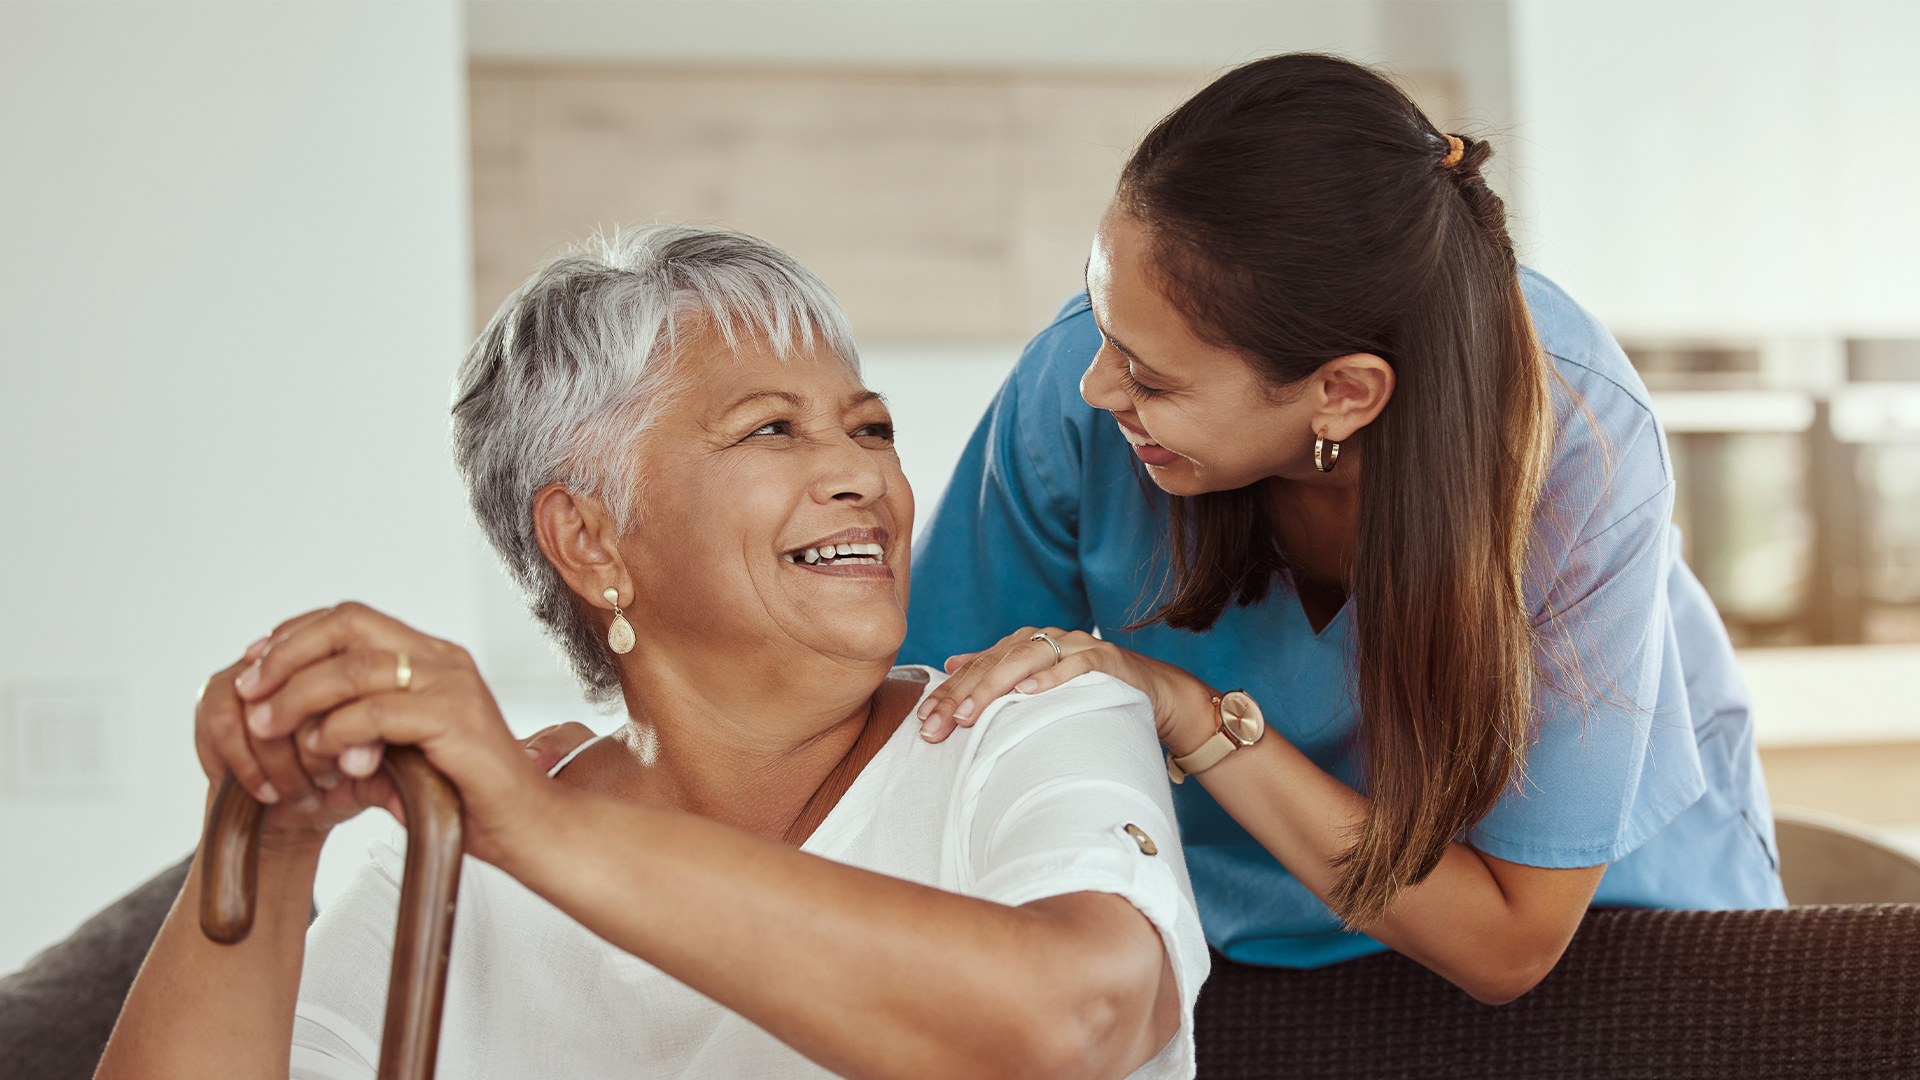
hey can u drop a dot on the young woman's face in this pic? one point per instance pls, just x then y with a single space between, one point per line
751 468
1195 413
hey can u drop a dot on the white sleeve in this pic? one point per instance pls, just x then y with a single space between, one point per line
343 983
1046 803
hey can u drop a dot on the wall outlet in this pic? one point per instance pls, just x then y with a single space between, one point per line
64 741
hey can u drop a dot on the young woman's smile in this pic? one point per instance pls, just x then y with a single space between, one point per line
1175 396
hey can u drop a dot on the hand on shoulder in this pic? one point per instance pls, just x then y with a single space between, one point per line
1033 660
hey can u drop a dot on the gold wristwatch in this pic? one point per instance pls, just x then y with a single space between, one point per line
1241 724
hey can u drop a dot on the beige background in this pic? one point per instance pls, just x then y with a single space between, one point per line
941 206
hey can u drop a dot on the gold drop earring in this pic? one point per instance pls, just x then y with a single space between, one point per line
620 634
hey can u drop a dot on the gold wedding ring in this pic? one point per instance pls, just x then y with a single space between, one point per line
1048 638
402 671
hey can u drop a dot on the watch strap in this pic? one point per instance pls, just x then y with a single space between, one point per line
1206 757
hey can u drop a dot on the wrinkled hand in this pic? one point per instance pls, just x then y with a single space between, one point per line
320 699
1182 704
304 792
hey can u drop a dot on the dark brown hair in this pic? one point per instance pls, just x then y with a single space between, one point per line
1298 211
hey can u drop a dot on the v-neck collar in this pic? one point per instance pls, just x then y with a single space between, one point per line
1300 609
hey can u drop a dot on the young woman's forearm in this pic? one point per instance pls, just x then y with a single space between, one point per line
1492 927
199 1008
868 975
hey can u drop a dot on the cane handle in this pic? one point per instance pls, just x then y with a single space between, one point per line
417 986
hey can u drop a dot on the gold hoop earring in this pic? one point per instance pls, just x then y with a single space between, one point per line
620 634
1332 453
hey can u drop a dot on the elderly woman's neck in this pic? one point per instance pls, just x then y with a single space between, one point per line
767 750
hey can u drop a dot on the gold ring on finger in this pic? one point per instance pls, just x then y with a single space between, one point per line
1048 638
402 671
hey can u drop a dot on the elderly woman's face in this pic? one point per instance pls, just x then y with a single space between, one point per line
773 507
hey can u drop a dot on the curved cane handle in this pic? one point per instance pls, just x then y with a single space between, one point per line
417 986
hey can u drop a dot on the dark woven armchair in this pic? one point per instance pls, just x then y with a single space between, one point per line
1650 995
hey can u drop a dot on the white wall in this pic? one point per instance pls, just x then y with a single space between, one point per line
233 286
1716 168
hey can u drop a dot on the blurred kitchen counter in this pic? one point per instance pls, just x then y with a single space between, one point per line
1839 728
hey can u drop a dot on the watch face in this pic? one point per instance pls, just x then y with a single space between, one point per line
1240 715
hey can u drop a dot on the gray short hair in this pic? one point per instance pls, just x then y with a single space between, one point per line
574 366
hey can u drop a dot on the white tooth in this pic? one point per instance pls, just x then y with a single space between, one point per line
873 549
845 549
813 555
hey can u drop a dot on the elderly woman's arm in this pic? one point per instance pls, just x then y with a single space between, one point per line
203 1009
866 974
835 961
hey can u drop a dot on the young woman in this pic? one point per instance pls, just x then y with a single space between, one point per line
1313 434
763 871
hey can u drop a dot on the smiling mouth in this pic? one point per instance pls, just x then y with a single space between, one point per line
1149 451
838 555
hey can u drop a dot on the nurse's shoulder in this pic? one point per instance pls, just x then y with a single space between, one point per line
1610 458
1054 358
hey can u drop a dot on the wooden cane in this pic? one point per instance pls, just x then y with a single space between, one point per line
417 986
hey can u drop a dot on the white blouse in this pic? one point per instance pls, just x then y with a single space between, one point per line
1033 801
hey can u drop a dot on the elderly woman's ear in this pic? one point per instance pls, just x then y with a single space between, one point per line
578 536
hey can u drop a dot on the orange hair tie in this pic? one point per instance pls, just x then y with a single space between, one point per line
1458 151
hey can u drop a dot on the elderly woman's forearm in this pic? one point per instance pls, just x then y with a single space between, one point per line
202 1009
869 975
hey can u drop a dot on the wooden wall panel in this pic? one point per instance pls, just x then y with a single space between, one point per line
940 207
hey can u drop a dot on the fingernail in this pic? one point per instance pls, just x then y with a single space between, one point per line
327 781
1027 687
307 804
358 761
312 739
925 708
259 718
928 729
267 794
965 711
531 752
248 679
258 649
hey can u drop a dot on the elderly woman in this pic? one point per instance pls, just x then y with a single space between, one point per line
765 871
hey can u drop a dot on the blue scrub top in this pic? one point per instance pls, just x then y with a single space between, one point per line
1652 768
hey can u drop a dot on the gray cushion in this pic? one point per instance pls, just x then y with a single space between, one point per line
56 1013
